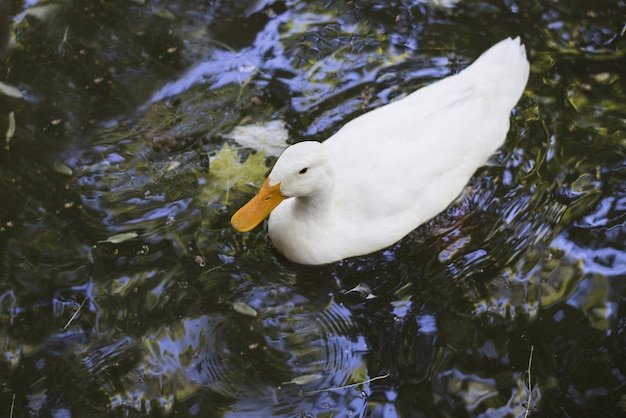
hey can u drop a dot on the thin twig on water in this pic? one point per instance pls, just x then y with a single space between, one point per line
530 383
349 386
75 314
12 406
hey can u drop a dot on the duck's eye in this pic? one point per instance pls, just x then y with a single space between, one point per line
303 171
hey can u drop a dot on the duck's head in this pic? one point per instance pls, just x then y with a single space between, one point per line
303 170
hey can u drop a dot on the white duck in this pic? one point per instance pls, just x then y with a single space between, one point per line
392 169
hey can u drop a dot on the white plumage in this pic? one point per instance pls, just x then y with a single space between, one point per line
392 169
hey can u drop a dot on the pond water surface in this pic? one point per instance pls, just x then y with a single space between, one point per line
125 292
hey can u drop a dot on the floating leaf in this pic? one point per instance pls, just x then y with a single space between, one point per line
359 374
443 4
61 168
601 77
270 137
226 172
303 380
11 127
9 90
119 238
43 12
164 14
364 290
244 309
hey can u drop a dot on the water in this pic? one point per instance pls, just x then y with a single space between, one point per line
124 291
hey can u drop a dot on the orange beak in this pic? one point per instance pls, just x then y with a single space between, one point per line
258 208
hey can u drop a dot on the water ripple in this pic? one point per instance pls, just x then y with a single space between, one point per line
285 359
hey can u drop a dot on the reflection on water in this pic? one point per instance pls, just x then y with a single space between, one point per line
124 291
273 361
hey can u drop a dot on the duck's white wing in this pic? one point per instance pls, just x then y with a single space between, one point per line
405 162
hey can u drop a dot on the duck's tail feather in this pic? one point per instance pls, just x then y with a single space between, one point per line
503 71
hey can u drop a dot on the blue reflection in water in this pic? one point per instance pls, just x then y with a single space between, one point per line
190 318
283 360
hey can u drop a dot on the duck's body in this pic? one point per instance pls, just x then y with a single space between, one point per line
392 169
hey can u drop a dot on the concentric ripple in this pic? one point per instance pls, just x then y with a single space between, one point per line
281 360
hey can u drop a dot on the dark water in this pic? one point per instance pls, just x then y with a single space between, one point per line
124 291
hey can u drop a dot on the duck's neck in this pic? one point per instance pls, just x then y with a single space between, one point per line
316 205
